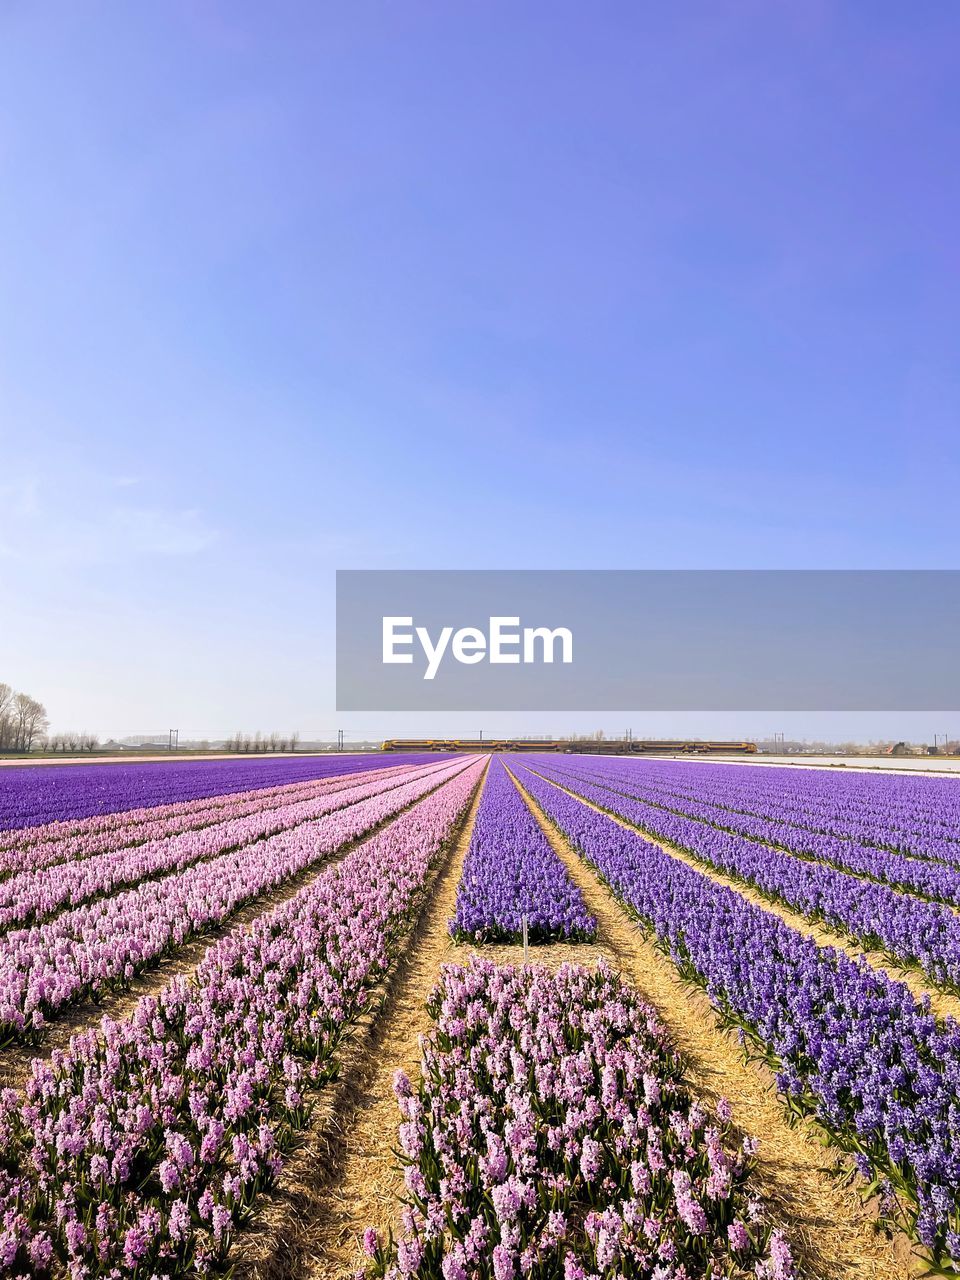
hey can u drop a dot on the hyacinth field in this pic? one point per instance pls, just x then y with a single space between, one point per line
473 1018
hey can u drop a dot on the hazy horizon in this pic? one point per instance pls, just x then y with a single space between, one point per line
303 289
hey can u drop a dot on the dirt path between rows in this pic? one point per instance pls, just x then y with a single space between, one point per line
942 1003
831 1230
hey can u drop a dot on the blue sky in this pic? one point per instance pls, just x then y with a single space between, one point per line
296 287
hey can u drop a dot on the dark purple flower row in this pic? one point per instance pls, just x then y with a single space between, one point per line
911 930
851 1046
934 880
917 816
552 1134
35 794
511 871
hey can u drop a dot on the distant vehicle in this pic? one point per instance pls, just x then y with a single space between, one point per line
605 746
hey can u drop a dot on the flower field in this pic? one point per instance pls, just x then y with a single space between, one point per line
60 793
327 1051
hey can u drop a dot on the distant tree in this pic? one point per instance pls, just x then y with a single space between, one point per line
6 722
25 722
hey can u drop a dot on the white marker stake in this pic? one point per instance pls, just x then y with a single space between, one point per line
525 951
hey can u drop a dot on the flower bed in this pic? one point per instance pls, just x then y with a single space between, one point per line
35 794
35 847
511 872
37 894
911 930
552 1134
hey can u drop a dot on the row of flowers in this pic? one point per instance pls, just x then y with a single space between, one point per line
32 797
511 873
934 879
914 815
35 895
140 1151
850 1046
103 945
551 1134
34 847
912 931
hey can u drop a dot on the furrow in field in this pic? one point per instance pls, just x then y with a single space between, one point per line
943 1003
16 1060
365 1184
934 881
347 1163
826 1218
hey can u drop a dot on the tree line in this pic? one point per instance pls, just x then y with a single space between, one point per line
23 720
245 743
72 742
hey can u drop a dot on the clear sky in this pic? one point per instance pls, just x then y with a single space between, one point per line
293 287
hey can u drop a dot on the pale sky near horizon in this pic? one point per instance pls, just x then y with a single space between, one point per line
303 287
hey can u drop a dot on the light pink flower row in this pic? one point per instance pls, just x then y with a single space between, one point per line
81 837
106 943
34 895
